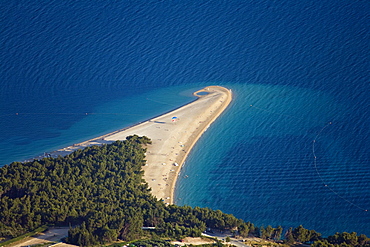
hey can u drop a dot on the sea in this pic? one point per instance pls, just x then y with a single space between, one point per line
292 148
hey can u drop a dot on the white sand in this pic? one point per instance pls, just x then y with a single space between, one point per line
171 140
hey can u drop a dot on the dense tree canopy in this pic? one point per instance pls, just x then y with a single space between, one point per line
343 239
99 191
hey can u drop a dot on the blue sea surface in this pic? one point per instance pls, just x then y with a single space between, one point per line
291 149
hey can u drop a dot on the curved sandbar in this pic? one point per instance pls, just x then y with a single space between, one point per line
173 140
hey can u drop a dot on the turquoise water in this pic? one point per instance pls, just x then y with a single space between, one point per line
102 119
70 71
257 161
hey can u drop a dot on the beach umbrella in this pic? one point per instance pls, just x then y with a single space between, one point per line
174 119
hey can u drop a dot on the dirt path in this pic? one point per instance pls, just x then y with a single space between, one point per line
51 235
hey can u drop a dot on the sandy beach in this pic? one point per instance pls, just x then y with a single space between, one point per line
173 135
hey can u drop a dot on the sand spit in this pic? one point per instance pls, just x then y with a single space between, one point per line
173 135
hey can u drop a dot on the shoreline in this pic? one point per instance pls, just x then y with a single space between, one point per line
200 133
98 140
172 139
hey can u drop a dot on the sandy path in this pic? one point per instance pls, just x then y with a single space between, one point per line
172 141
193 241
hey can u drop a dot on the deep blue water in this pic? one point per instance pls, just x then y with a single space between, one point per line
71 70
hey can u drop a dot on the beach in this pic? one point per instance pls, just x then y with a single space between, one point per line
74 72
173 135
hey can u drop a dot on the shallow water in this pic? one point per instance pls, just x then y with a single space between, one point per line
70 71
257 162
